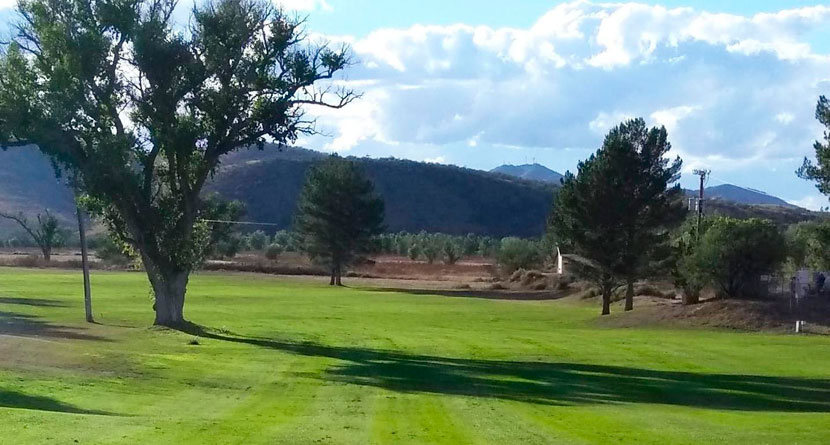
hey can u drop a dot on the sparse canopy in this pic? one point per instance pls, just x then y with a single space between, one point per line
620 206
45 232
142 113
338 214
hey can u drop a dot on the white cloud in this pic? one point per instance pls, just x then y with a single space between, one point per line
735 92
812 202
5 4
303 5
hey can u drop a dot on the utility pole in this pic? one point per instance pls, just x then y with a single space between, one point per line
703 174
85 266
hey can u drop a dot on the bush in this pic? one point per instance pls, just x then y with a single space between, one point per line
112 252
414 252
274 251
733 254
229 247
258 240
452 251
516 253
431 249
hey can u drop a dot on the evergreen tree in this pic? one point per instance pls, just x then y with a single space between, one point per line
338 214
619 207
819 172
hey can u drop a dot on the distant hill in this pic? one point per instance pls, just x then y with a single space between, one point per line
28 185
740 195
531 172
418 196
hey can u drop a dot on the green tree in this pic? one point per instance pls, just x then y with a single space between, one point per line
620 207
46 232
653 198
819 171
452 249
258 240
338 214
733 254
516 253
141 114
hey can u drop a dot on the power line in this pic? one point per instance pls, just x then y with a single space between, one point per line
241 223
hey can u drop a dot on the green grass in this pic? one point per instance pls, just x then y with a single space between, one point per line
293 361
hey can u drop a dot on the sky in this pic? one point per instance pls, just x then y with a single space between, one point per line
480 83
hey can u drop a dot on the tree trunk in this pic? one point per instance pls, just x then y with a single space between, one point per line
333 276
690 297
629 296
606 301
47 253
339 282
169 288
85 266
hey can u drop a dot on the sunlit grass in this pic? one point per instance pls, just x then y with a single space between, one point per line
276 360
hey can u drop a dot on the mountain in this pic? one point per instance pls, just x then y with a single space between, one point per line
28 185
531 172
733 193
740 195
418 196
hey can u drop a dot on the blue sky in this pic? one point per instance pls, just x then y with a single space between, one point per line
479 83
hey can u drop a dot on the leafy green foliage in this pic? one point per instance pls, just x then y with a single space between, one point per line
240 75
618 210
819 171
338 214
274 251
807 245
258 240
733 254
516 253
46 232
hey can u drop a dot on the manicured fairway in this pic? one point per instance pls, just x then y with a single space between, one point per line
291 361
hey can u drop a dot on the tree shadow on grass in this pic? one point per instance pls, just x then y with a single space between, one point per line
37 302
486 294
23 325
555 383
17 400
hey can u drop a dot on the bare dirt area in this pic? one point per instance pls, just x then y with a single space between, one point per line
744 315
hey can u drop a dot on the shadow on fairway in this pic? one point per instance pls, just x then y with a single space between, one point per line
485 294
24 325
555 383
16 400
38 302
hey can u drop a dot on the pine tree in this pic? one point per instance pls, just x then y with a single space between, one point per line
618 210
338 214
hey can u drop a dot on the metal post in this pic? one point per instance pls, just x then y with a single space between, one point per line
85 266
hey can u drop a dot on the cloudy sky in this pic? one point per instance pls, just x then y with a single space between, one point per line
479 83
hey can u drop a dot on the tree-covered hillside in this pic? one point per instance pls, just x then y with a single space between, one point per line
418 196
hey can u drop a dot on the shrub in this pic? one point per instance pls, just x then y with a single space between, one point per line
733 254
112 252
258 240
274 251
414 252
516 253
452 251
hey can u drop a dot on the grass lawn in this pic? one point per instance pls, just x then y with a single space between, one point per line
294 361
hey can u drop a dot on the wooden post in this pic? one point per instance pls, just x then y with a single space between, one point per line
85 266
